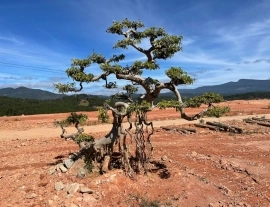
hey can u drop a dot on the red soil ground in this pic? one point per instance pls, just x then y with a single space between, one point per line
207 168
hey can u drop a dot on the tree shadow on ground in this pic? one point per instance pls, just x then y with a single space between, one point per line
160 168
58 158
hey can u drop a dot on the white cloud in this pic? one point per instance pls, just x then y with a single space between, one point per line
11 39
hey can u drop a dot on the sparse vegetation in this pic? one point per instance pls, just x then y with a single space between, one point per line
103 116
217 111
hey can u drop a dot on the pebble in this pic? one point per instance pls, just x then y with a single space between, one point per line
164 158
58 186
88 198
31 196
68 163
62 168
73 188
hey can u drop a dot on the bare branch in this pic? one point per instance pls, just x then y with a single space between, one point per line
118 104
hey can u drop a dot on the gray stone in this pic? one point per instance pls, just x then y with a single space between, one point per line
74 188
76 166
68 163
72 156
62 168
58 186
88 198
81 173
84 189
52 170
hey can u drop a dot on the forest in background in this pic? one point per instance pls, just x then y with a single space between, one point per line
82 102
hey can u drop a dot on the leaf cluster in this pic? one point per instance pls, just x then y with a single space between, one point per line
84 138
178 76
169 104
117 27
137 107
206 98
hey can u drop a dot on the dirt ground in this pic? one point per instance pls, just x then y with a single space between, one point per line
207 168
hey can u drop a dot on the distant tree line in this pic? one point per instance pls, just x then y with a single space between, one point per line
16 106
248 96
82 102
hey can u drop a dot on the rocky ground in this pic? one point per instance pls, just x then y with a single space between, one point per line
206 168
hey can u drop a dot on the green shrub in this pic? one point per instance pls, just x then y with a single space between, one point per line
217 111
84 138
103 116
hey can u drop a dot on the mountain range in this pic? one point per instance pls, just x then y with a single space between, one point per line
23 92
230 88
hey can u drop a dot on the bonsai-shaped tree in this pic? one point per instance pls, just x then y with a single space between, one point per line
115 146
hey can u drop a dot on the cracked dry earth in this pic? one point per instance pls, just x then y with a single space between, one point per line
207 168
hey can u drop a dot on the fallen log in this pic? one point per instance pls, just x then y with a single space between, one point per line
178 129
207 126
263 124
258 122
250 121
260 119
219 125
225 127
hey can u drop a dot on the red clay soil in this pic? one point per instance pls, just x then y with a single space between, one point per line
207 168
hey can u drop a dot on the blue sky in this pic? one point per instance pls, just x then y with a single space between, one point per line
223 40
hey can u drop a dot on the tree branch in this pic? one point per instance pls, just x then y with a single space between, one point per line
135 78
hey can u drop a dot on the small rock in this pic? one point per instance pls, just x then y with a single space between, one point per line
88 197
68 163
76 167
50 202
55 197
111 178
31 196
164 158
194 154
74 188
52 170
81 172
72 156
62 168
84 189
58 186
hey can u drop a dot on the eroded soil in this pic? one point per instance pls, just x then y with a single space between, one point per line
207 168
